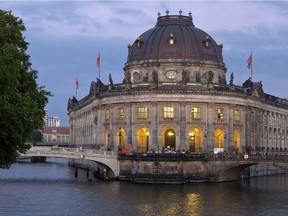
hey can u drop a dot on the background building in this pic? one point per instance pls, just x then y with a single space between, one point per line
174 95
51 121
56 135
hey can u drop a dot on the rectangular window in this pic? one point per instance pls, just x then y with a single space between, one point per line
168 112
196 112
142 112
121 114
220 113
107 114
237 115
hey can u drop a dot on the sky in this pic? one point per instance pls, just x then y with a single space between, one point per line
66 37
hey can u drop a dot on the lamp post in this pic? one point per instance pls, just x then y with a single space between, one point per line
147 141
108 134
120 136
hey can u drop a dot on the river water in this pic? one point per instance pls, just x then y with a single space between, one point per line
51 189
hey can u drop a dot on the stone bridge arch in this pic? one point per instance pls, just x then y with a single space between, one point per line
223 171
109 159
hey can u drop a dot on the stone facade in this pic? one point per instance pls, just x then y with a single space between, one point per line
179 100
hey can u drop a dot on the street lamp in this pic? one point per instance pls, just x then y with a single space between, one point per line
147 140
108 134
120 136
205 133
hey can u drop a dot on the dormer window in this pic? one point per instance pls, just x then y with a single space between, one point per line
138 42
171 39
207 41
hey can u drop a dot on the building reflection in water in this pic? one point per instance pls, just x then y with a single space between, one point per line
194 204
191 204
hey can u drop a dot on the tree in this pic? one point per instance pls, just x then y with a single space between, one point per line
22 101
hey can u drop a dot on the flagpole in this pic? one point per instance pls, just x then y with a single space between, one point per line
99 72
98 65
251 67
77 86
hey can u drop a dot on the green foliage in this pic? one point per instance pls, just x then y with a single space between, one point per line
22 101
37 136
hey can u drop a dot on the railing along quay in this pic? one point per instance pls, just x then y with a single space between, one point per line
271 156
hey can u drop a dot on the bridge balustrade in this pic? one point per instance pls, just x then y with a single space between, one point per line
280 157
69 151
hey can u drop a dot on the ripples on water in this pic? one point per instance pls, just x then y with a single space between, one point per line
51 189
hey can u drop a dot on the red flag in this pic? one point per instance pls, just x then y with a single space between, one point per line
77 84
249 61
98 61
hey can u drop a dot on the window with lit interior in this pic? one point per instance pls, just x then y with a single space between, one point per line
220 113
121 114
107 114
196 113
142 112
168 112
237 115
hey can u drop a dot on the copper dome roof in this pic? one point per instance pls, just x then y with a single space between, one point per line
175 36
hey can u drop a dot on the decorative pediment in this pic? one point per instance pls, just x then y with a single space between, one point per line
257 90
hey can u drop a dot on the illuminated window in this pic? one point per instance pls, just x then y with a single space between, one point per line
207 42
237 115
121 114
220 113
171 39
107 114
168 112
196 113
142 112
138 42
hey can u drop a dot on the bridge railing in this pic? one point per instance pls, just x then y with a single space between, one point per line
203 156
65 150
255 156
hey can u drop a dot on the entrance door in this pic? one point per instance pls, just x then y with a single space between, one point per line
195 140
170 139
236 140
142 140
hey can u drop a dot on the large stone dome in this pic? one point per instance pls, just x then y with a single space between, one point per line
175 51
175 36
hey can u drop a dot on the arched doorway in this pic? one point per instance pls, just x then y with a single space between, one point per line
142 140
121 138
195 140
236 139
170 139
219 138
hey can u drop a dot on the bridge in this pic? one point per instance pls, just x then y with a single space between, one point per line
108 158
226 167
184 167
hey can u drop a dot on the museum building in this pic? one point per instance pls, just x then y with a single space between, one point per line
175 96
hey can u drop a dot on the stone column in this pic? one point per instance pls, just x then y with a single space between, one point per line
210 128
248 128
230 130
154 127
98 122
183 138
129 127
110 128
113 133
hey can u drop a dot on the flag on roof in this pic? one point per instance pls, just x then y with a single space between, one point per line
98 61
249 61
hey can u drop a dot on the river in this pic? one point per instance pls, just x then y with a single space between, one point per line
51 189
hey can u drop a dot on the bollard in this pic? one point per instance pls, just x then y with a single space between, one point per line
76 172
89 175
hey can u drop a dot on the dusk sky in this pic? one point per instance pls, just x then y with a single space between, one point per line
66 37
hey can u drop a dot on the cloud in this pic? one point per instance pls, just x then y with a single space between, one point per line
66 37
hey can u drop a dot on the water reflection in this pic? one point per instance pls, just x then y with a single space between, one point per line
52 189
194 204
